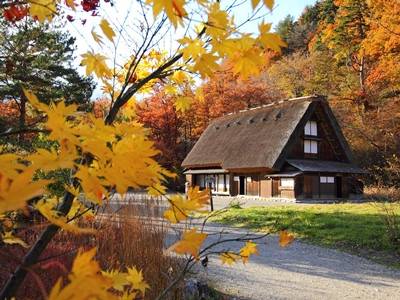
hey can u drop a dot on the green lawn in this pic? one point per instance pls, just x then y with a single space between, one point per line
356 228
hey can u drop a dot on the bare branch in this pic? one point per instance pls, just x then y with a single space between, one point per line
17 132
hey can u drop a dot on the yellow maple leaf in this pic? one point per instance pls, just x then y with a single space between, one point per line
52 160
191 243
98 284
183 103
9 166
35 101
96 63
200 94
91 183
119 279
248 64
193 48
136 278
15 192
247 250
157 189
43 9
46 208
171 89
284 238
206 65
268 3
228 257
9 238
177 211
107 30
181 208
84 270
201 197
179 77
173 9
84 264
97 38
218 24
70 3
268 40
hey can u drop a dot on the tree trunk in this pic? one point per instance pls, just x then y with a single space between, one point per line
22 118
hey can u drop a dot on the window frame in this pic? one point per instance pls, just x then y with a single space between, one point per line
327 179
287 180
311 128
310 147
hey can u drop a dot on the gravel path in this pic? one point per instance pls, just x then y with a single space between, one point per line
299 271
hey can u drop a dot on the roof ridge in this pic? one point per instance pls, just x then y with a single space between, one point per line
311 98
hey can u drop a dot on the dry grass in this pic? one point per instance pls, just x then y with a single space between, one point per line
133 236
386 199
382 194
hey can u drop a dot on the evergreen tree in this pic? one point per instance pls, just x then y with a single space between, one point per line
39 58
284 29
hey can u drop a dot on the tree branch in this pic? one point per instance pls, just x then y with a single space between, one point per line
122 99
27 130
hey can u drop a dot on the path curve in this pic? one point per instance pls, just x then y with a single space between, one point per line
299 271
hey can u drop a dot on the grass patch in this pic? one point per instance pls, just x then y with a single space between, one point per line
355 228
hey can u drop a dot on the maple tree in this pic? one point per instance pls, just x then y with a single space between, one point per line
381 46
159 114
95 151
227 93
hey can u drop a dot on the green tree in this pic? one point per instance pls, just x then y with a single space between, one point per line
284 29
39 57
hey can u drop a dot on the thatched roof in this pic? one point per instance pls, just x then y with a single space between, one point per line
258 138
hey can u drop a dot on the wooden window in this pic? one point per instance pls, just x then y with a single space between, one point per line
310 146
287 182
311 128
327 179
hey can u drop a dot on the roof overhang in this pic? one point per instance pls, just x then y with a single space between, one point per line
315 165
285 174
206 171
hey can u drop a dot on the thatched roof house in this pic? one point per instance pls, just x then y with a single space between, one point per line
291 149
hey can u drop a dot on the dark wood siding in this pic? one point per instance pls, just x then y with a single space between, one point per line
308 186
327 190
275 188
325 138
315 187
299 187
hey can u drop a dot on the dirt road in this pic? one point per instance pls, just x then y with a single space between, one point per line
299 271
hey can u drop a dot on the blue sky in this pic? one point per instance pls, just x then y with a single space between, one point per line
289 7
282 8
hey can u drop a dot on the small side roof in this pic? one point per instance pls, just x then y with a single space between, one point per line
314 165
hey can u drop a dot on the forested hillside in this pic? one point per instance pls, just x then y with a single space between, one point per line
347 50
